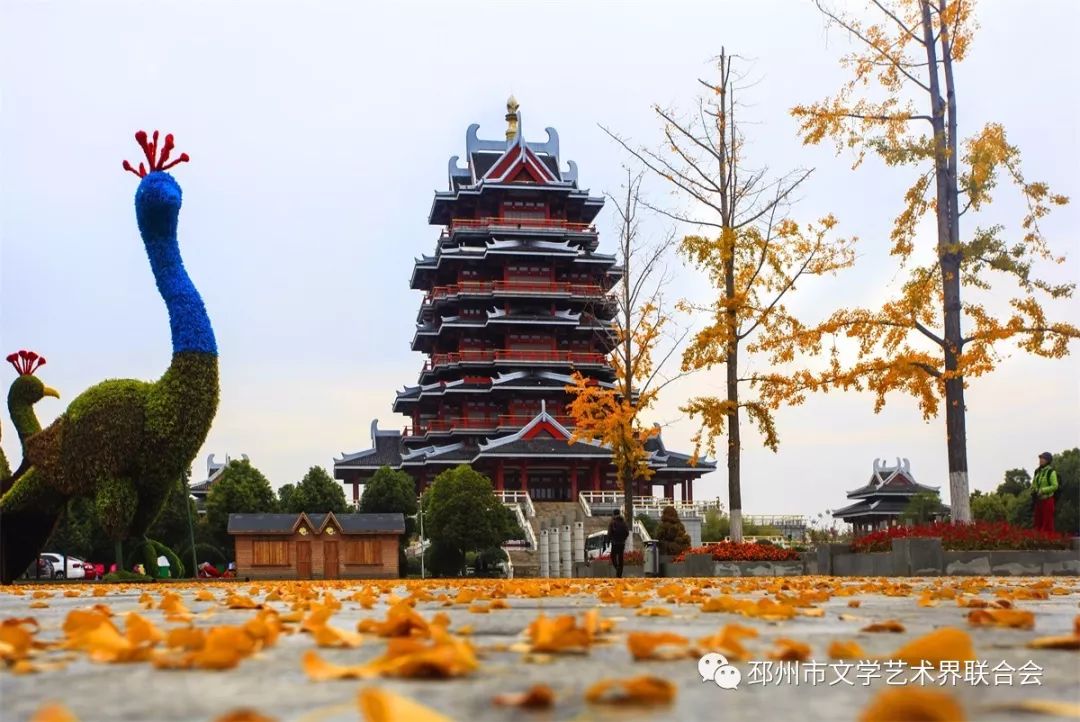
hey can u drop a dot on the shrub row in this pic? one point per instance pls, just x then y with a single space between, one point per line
742 552
980 535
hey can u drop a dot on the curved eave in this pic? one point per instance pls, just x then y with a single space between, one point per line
444 202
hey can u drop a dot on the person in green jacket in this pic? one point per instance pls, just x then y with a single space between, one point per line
1044 486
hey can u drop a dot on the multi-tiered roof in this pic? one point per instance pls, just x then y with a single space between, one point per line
882 500
516 299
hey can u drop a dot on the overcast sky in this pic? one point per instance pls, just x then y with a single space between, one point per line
319 131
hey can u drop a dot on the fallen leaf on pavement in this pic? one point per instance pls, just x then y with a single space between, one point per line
54 712
657 645
846 650
539 696
643 690
911 704
1053 708
377 705
1063 641
1012 618
946 644
790 650
243 715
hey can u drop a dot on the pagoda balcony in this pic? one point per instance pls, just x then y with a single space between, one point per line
531 224
514 356
559 289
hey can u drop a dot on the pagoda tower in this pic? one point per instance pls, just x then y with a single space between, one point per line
516 299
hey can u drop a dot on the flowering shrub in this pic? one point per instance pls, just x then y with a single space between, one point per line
742 552
982 535
633 557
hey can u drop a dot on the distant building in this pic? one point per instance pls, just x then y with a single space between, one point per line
201 489
884 498
316 546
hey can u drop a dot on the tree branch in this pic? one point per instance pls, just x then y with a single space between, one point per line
866 41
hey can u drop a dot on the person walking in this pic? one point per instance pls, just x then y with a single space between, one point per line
617 532
1044 486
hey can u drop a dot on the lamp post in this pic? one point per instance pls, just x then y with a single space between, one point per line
420 513
191 527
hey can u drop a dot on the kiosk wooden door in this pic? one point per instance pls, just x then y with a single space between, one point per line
303 559
330 560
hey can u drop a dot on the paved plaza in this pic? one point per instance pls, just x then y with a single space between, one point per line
273 680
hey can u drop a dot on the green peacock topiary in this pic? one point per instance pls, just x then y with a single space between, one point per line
124 443
26 390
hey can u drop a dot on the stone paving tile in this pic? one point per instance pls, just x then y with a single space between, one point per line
273 682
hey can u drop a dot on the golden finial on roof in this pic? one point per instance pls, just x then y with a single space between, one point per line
511 117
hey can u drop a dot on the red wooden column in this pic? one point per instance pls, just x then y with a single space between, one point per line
499 468
669 490
525 475
682 491
355 492
689 489
596 476
573 481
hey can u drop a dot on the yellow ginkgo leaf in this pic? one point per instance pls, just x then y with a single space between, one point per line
643 690
378 705
539 696
912 704
54 712
946 644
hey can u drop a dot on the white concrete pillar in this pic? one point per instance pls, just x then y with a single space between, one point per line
579 541
543 552
554 568
564 552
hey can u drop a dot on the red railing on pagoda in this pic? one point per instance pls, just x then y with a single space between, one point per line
524 356
492 222
465 423
590 290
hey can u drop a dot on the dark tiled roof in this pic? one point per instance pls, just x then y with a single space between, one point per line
878 507
371 523
284 523
387 452
261 523
456 455
674 460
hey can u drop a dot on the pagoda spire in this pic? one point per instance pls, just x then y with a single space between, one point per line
511 117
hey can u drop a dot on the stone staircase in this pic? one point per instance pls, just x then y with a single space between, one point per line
526 562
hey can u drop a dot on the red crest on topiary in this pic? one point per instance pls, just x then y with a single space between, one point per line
26 362
150 150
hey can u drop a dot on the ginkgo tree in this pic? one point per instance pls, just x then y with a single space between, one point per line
643 338
753 254
942 328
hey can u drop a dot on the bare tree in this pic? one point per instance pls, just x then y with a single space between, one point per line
645 340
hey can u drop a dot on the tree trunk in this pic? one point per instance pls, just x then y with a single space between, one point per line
118 548
949 257
628 504
734 450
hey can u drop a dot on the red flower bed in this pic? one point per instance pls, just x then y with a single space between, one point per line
742 552
981 535
634 557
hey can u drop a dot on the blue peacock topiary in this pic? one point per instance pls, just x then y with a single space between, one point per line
124 443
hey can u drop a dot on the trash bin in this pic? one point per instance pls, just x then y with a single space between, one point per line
652 559
163 567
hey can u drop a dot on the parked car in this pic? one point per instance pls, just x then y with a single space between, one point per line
44 569
65 567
